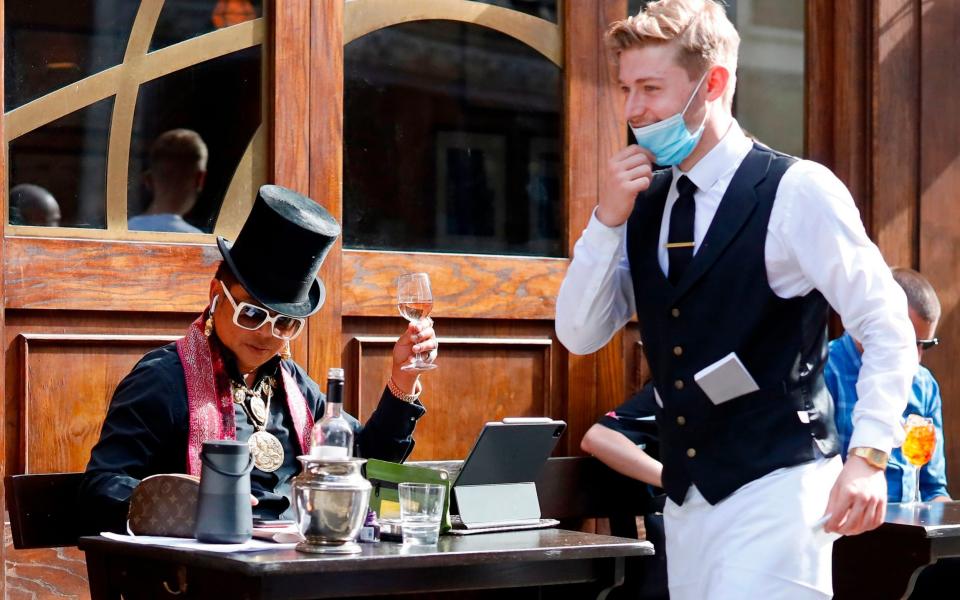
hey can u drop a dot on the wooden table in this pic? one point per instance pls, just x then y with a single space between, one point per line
884 563
546 557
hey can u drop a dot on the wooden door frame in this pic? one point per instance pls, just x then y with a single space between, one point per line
595 133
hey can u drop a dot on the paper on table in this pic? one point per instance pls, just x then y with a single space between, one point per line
193 544
279 535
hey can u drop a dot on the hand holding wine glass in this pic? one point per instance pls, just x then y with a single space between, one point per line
415 301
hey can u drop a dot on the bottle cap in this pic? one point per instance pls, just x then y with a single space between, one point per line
335 373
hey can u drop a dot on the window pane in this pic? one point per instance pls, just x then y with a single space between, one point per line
451 142
49 44
182 20
545 9
218 102
769 102
65 159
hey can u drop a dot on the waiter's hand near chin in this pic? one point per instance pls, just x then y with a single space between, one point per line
629 172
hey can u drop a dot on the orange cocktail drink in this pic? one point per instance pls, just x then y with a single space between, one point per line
918 446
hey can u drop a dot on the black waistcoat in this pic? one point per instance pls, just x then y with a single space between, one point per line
723 304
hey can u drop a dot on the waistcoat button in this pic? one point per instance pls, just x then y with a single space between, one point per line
677 350
681 420
691 452
678 384
675 312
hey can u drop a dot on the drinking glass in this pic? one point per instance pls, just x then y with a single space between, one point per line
414 301
421 508
918 446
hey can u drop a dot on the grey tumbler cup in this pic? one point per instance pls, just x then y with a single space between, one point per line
224 515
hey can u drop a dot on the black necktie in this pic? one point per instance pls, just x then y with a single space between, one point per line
680 238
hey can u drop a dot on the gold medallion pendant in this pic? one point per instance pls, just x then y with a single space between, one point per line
267 451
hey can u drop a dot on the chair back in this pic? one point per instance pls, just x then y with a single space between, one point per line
43 509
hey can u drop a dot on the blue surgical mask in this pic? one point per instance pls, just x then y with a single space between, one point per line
669 140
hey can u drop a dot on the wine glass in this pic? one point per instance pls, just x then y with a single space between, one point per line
414 300
918 446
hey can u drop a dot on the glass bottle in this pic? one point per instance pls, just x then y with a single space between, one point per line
333 435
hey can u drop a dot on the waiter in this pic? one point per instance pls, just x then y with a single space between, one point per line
731 256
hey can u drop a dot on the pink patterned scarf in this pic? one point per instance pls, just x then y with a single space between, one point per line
209 401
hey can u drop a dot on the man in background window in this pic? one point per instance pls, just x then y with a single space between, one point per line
178 169
33 205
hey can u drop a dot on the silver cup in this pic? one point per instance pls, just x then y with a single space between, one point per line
330 499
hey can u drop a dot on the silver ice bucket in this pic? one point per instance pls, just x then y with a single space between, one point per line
330 499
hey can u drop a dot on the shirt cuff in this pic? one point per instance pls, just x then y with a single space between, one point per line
868 433
599 236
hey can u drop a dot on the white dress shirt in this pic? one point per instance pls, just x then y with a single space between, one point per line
815 240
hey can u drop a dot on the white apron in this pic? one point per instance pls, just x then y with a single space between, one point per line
759 542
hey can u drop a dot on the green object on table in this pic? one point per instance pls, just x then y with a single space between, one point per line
386 476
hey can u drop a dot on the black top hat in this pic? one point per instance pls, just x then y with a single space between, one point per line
280 249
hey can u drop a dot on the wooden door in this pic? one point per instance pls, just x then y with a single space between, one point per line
494 304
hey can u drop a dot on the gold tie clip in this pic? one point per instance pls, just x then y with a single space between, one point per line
670 245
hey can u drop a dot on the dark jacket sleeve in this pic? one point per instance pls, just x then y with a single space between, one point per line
387 434
143 433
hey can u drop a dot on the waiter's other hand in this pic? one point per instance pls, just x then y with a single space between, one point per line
858 500
629 172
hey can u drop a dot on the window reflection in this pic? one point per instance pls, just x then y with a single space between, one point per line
178 170
33 205
190 130
769 100
451 142
545 9
67 159
49 44
181 20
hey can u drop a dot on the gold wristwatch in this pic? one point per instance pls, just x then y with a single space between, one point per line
877 458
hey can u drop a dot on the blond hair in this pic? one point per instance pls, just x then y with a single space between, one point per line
701 29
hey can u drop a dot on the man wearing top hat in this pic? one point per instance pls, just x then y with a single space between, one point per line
231 377
730 256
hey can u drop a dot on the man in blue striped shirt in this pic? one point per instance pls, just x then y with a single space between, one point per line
843 368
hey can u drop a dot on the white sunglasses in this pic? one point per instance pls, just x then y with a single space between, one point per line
251 317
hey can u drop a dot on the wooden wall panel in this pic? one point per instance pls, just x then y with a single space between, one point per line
837 92
895 202
490 287
325 116
107 276
488 369
482 379
939 236
66 385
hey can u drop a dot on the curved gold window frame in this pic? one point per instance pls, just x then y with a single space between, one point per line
139 66
361 17
123 81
